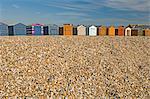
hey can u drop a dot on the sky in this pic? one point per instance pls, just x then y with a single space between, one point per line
87 12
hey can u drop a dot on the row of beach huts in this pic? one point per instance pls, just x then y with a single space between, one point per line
70 29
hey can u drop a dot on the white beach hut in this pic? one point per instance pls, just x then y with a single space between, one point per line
92 30
128 31
81 30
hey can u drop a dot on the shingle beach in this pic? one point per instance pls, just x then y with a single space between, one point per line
74 67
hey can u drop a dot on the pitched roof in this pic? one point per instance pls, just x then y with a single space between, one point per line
20 24
1 23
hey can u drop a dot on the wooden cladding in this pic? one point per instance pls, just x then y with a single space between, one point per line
128 31
121 31
81 30
68 29
61 30
111 31
134 32
147 32
102 31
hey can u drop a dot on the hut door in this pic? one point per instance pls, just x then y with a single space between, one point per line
128 32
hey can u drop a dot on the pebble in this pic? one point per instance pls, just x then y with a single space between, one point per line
74 67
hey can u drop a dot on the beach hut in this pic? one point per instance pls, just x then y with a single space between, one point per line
121 31
128 31
3 29
60 30
53 29
11 30
92 30
68 29
45 30
116 31
37 29
137 30
75 30
102 31
147 32
111 31
140 28
20 29
134 32
141 32
81 30
29 30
